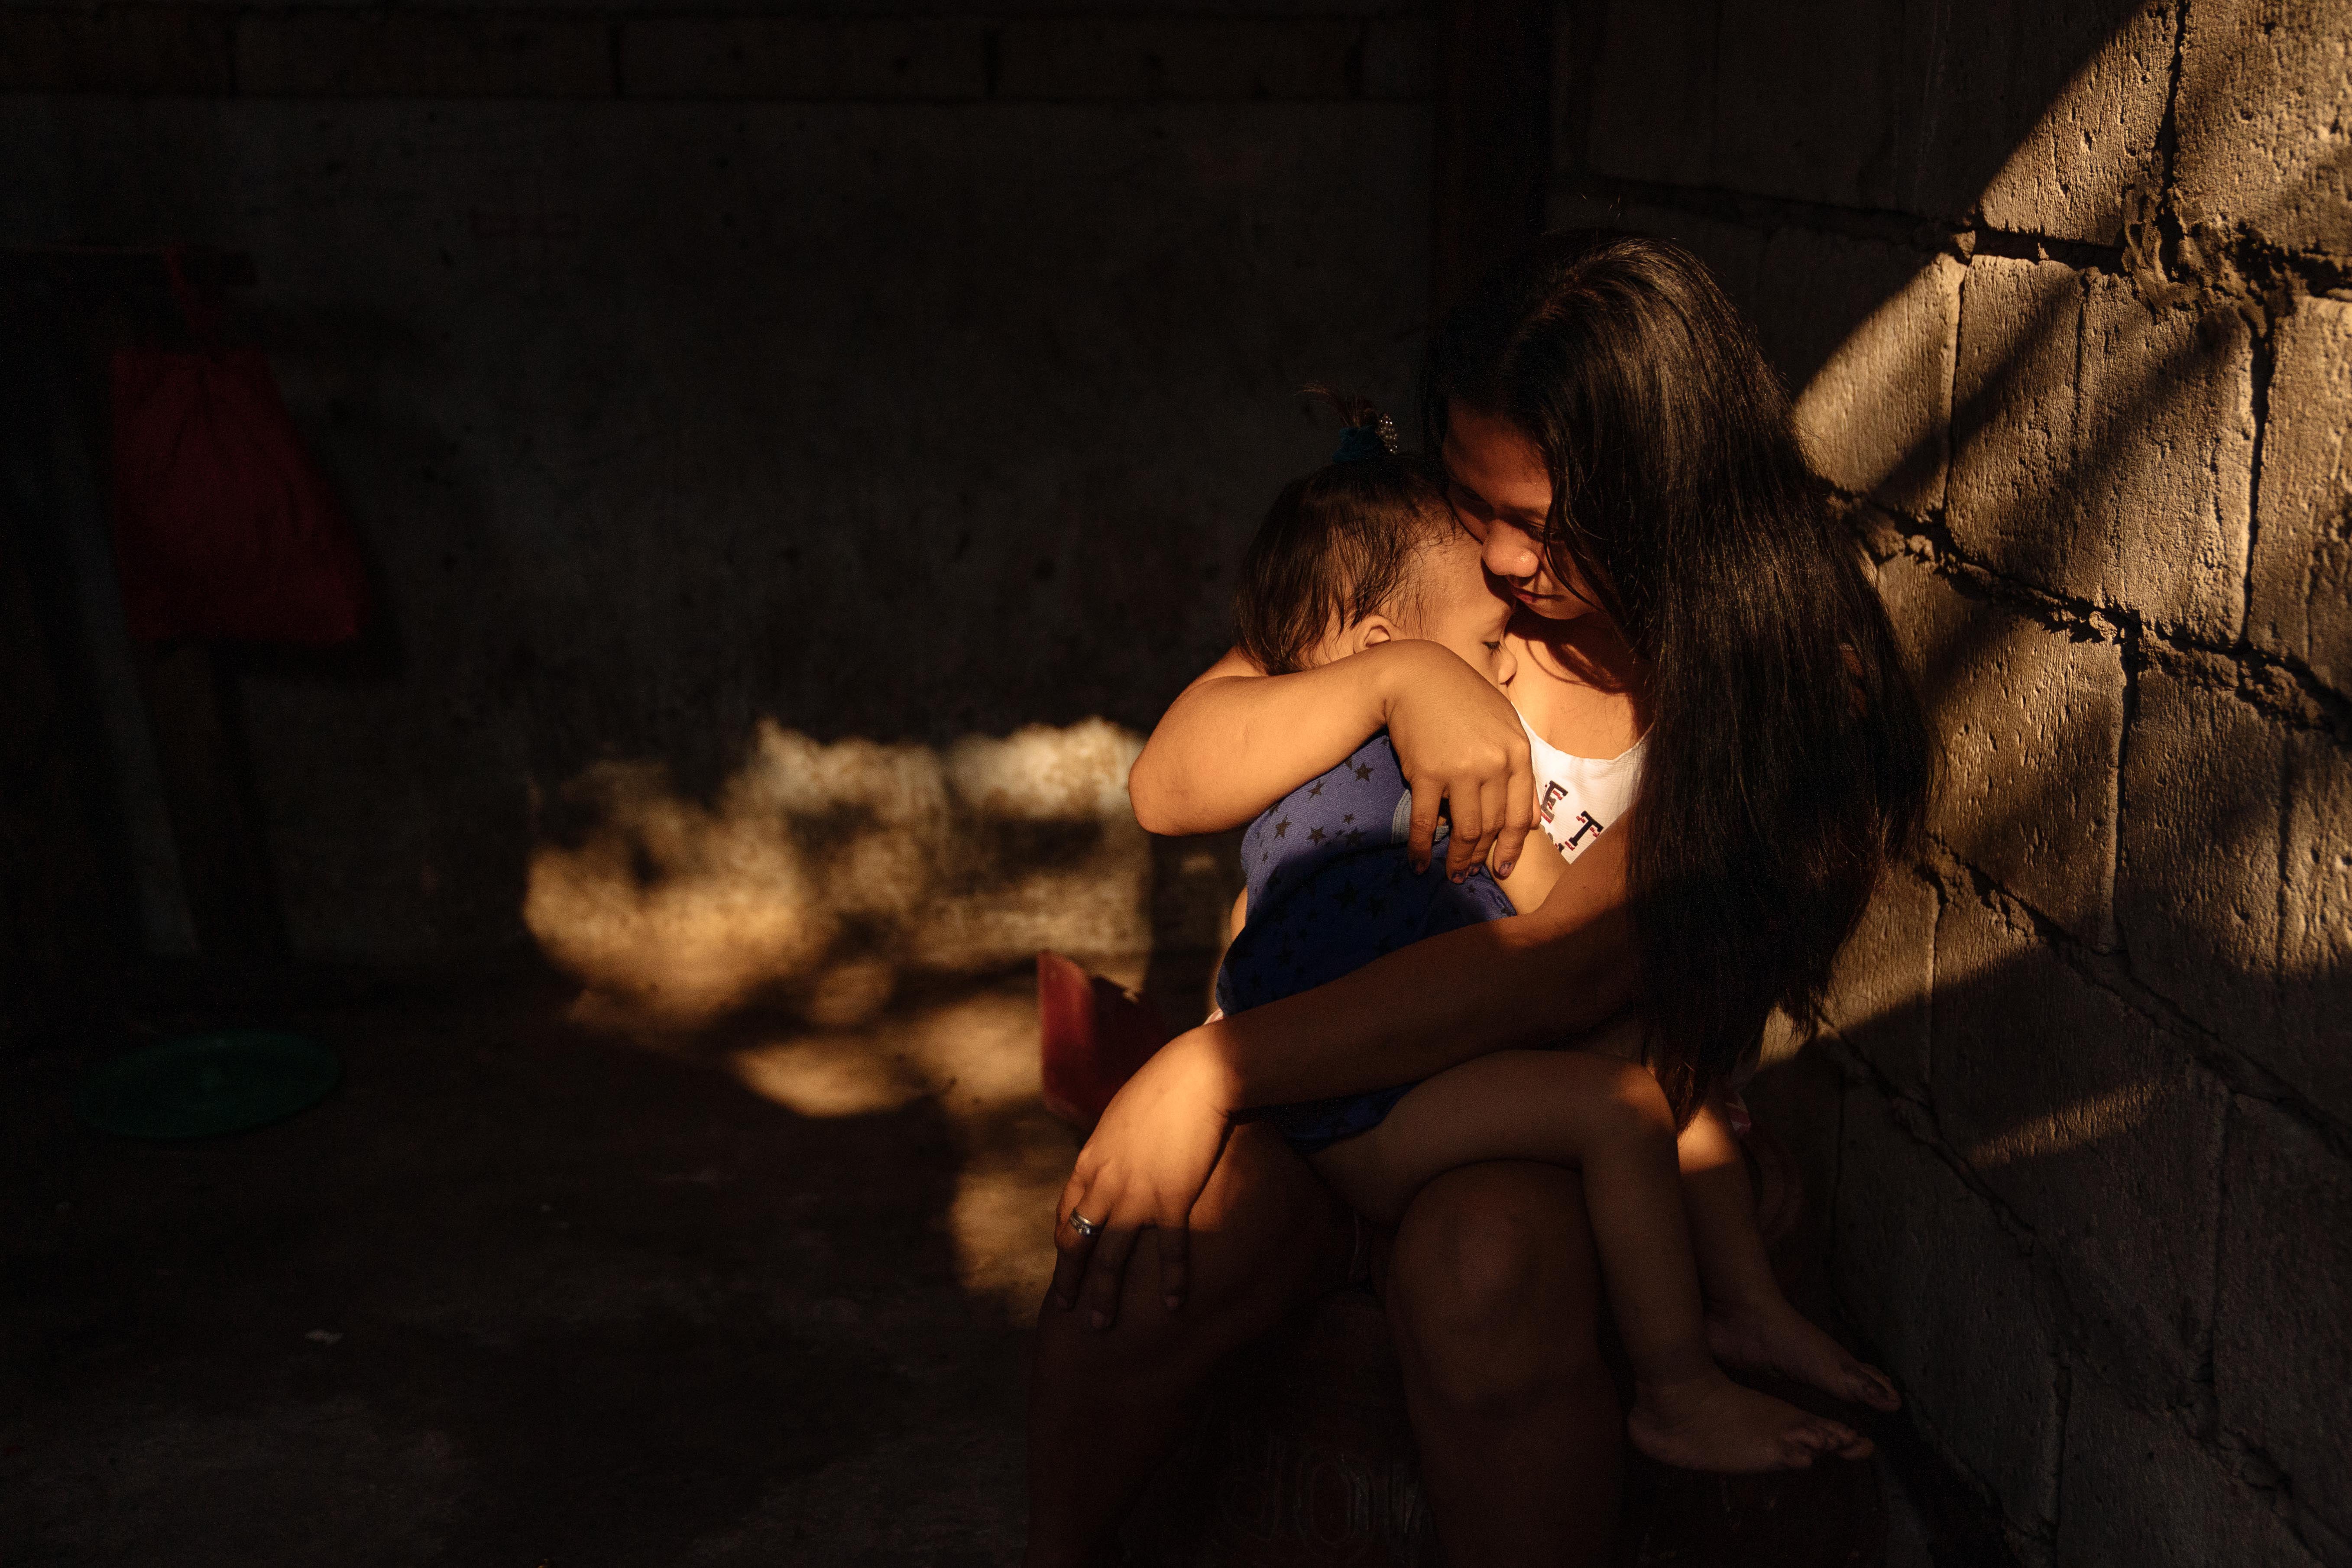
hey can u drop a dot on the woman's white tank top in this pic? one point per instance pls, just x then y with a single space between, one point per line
1578 799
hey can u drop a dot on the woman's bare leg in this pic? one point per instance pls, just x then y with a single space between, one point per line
1495 1295
1609 1120
1106 1405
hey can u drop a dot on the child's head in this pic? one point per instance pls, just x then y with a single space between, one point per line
1361 551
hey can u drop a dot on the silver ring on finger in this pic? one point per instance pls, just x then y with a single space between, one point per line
1083 1226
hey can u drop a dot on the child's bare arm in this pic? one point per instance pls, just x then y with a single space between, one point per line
1237 740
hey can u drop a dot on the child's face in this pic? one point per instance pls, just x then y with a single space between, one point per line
1458 607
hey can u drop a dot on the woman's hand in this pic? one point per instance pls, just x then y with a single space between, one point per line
1145 1164
1460 741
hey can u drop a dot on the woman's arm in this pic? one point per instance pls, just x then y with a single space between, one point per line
1529 884
1533 979
1237 740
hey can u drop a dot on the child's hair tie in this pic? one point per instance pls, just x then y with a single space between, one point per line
1359 443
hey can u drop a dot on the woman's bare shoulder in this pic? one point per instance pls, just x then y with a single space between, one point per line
1576 705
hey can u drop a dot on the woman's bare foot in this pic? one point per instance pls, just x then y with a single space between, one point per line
1711 1423
1774 1337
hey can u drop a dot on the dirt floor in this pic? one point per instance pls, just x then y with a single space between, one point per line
533 1288
523 1291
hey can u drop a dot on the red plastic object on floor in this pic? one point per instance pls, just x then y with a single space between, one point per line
1092 1035
223 528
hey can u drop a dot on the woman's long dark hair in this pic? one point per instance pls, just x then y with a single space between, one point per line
1787 759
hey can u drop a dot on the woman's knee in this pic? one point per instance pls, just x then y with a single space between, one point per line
1265 1233
1493 1287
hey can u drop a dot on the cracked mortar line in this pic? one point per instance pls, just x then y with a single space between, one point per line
1917 1122
2168 129
2112 972
2062 1394
2210 1415
2245 1459
2323 709
2235 265
1915 1119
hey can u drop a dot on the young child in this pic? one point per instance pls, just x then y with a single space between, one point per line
1360 551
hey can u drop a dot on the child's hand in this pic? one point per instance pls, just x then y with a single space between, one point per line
1539 870
1460 741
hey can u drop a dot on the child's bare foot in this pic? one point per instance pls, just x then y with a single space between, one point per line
1711 1423
1773 1336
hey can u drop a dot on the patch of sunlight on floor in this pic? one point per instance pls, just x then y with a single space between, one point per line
815 863
975 1056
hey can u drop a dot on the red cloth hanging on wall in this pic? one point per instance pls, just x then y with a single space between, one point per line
223 528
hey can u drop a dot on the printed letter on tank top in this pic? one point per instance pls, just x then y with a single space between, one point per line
1578 799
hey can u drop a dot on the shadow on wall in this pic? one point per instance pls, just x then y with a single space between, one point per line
2083 1111
819 875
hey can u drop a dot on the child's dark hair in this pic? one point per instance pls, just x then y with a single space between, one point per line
1338 544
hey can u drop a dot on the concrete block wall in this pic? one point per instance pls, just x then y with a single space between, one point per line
2064 294
875 375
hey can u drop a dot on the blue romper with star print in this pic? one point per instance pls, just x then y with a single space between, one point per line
1330 890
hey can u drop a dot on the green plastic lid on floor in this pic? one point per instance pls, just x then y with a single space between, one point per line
200 1086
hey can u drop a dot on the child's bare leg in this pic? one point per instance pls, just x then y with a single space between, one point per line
1749 1323
1608 1120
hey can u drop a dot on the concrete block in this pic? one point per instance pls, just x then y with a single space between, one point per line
2283 1331
2041 116
2164 449
1865 334
1732 251
1879 992
2196 874
1833 102
119 49
2068 147
423 54
2029 726
2197 871
2013 413
1949 1298
2302 580
1207 58
2314 971
1653 113
2096 1129
2234 894
2265 93
790 59
2100 450
2141 1490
